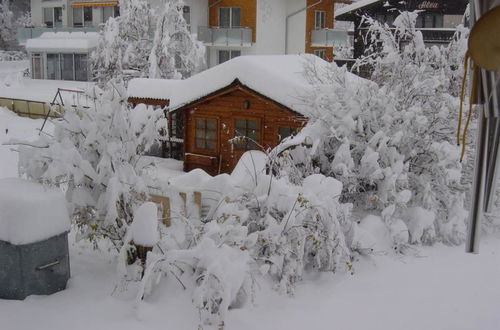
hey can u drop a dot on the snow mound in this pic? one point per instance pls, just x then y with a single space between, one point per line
191 179
30 212
251 162
145 225
419 221
325 188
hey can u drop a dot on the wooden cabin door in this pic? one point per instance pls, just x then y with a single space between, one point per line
248 130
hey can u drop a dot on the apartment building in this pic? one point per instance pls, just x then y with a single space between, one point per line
228 28
267 27
437 20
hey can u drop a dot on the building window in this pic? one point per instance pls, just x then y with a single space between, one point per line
229 17
53 67
319 19
81 67
321 53
36 66
67 67
206 134
249 130
52 17
386 18
186 13
82 16
284 132
429 20
226 55
109 11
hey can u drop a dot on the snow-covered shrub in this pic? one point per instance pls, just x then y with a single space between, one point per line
259 227
392 143
94 156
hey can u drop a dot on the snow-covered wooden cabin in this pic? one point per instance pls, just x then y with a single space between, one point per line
249 102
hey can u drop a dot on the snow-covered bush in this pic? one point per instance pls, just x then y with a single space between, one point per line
259 227
391 143
94 156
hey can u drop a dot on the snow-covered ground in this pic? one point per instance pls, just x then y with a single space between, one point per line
14 85
436 287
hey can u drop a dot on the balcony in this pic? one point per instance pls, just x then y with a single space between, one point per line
329 38
218 36
437 35
24 34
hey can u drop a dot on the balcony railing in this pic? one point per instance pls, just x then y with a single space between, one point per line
437 35
24 34
217 36
328 38
430 35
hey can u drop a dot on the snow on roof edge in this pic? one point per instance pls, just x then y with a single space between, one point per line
355 6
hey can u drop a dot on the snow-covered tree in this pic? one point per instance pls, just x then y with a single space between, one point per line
141 42
176 53
392 143
94 155
124 43
8 26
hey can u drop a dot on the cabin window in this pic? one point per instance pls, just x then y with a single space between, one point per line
319 19
229 17
206 134
321 53
284 132
249 130
226 55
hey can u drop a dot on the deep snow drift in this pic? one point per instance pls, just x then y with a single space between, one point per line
436 287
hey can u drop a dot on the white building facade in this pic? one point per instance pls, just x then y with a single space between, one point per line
228 28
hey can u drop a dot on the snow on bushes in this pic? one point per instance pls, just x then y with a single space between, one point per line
94 155
391 144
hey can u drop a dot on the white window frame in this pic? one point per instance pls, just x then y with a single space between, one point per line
53 10
83 16
232 54
319 19
321 53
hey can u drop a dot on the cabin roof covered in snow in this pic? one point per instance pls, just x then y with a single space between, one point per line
355 6
277 77
64 42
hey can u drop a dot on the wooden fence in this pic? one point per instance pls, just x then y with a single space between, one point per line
31 109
